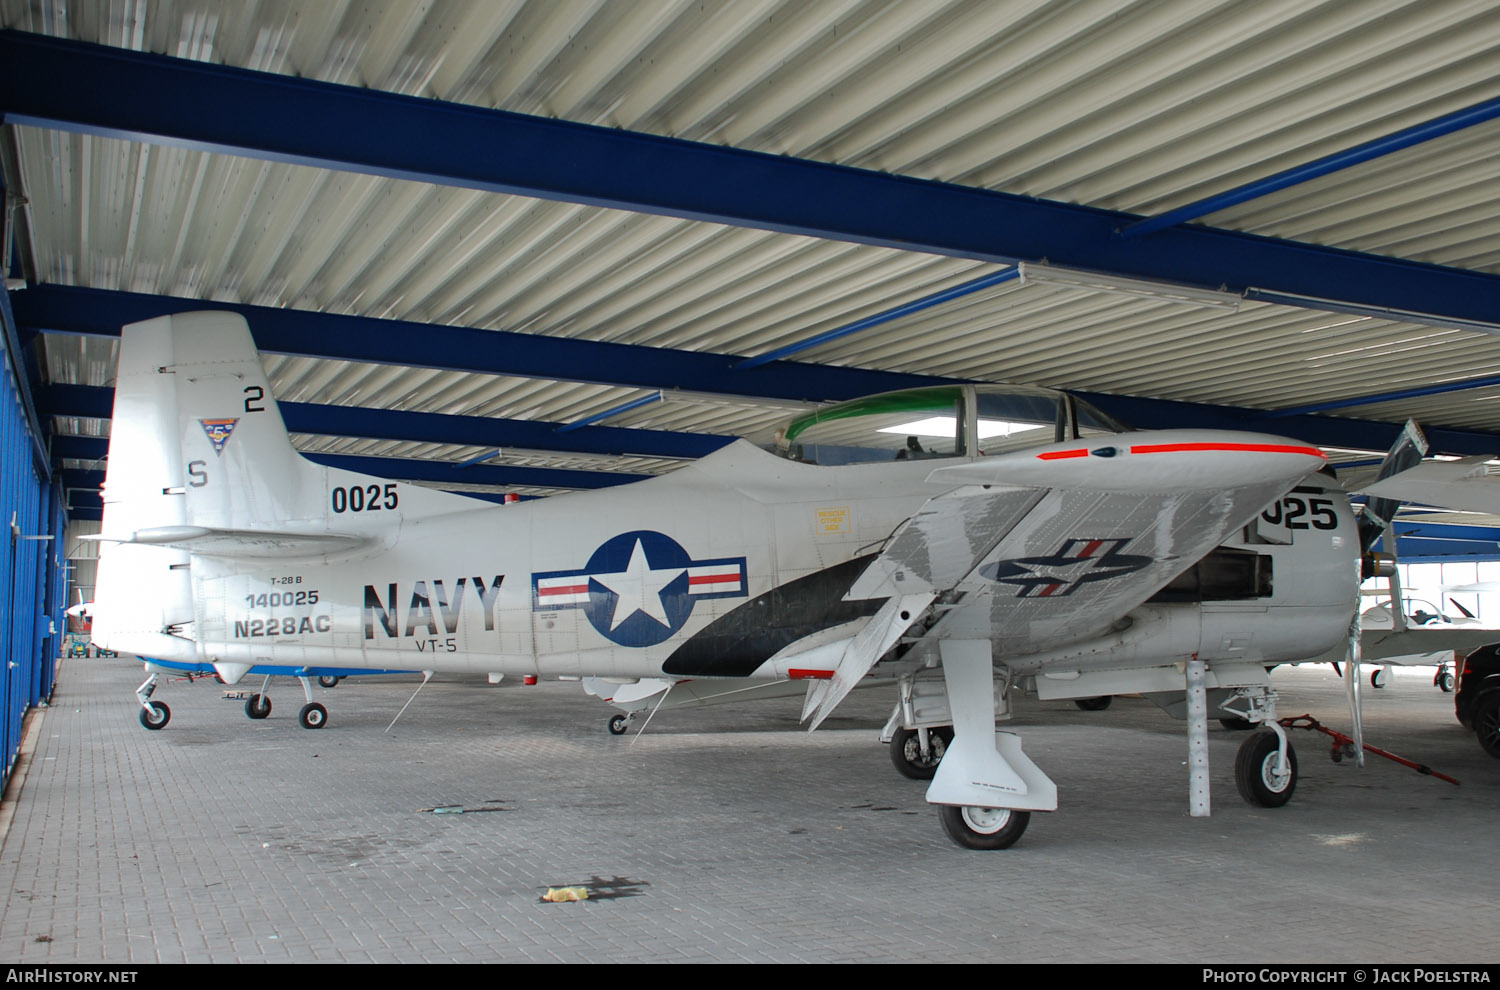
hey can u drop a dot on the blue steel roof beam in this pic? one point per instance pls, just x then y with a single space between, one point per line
59 83
1414 550
1358 155
414 470
894 313
1324 431
97 402
1370 400
61 309
1447 531
1145 414
101 312
452 474
611 412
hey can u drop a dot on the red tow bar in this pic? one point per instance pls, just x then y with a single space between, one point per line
1344 746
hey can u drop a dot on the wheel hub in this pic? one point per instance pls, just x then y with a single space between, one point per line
1270 777
986 821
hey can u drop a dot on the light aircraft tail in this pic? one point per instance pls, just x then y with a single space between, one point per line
200 464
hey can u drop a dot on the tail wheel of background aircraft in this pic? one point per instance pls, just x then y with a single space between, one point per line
313 716
257 706
619 724
155 715
1444 681
328 681
1380 678
1255 771
906 751
1094 704
983 828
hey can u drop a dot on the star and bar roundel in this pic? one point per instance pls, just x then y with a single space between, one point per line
1077 562
639 588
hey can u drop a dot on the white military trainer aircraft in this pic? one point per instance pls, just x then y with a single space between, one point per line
959 540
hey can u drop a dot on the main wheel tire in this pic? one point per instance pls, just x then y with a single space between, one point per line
618 724
313 716
328 681
1094 704
983 828
1255 771
1487 724
257 706
906 752
1445 681
155 715
1380 678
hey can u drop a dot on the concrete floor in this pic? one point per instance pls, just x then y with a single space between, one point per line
720 835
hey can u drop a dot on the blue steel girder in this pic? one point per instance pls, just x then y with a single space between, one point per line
1148 414
433 471
97 402
101 312
58 83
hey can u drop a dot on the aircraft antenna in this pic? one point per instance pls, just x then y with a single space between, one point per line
654 710
426 676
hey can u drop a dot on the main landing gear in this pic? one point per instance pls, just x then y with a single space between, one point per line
154 714
983 828
312 715
916 753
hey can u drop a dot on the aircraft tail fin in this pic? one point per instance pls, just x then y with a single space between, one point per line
200 463
232 467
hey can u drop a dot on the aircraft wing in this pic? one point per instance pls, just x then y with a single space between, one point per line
1460 484
1038 567
1036 550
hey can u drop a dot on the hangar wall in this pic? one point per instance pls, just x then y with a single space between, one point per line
32 578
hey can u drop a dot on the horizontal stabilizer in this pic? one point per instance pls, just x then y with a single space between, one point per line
254 544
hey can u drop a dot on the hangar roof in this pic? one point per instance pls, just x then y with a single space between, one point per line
677 189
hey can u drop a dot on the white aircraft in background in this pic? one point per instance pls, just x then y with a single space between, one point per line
960 540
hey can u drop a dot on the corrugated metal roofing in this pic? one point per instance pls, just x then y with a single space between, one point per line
1130 106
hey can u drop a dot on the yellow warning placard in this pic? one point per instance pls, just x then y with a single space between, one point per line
832 521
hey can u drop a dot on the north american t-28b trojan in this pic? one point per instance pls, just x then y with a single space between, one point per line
960 540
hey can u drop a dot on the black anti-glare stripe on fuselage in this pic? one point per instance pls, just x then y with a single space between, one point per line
734 645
